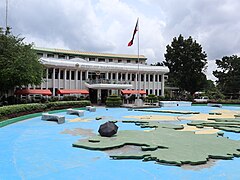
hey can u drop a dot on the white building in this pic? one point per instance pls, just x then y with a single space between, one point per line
99 74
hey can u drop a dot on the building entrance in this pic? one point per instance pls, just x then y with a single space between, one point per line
93 96
104 95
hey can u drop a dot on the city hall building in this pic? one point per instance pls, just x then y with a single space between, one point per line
97 74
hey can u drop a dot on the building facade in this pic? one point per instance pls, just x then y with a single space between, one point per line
101 74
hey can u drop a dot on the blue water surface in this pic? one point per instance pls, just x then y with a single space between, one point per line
36 149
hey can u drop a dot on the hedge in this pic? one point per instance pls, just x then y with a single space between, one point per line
12 111
113 101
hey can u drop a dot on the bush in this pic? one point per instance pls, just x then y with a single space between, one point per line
69 98
11 111
152 98
66 104
113 101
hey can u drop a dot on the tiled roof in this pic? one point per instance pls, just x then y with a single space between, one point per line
89 54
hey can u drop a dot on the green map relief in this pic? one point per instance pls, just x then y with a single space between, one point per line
165 144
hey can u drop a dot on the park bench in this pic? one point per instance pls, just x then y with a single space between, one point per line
60 119
75 111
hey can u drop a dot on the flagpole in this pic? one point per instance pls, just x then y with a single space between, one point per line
138 95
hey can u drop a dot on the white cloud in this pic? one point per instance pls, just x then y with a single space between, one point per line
107 26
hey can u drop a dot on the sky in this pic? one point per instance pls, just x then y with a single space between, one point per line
107 25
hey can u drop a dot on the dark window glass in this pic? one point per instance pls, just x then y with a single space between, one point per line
61 74
68 74
72 75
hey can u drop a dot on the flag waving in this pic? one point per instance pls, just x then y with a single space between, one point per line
134 32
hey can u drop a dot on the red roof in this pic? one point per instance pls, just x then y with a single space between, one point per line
33 91
133 92
72 91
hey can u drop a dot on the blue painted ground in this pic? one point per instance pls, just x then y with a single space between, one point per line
36 149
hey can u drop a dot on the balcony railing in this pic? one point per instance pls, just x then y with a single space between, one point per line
106 81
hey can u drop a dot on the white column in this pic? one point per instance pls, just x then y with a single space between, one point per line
136 83
70 78
65 78
145 83
86 74
80 79
116 75
53 81
59 73
157 84
59 83
76 79
153 84
149 83
47 78
162 85
106 75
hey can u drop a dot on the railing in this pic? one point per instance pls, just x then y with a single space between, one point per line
106 81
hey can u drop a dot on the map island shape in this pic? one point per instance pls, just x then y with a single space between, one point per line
165 144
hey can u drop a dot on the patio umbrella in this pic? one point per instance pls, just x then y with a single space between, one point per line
108 129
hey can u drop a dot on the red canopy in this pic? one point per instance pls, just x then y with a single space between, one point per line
133 92
72 91
33 91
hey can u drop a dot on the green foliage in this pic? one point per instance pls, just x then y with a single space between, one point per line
20 109
19 64
113 101
15 109
152 98
67 104
229 74
186 62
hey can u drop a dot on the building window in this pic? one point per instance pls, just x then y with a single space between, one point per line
71 57
151 78
119 60
91 59
133 77
50 55
68 74
142 77
61 56
151 91
123 77
50 72
113 76
56 73
72 75
136 61
83 75
129 77
101 60
128 61
119 76
40 55
160 78
61 74
155 91
110 60
79 75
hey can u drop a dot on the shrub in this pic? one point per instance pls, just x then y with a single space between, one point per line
13 110
66 104
22 109
113 101
152 98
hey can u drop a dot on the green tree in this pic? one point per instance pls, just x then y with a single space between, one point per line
187 62
19 65
228 74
